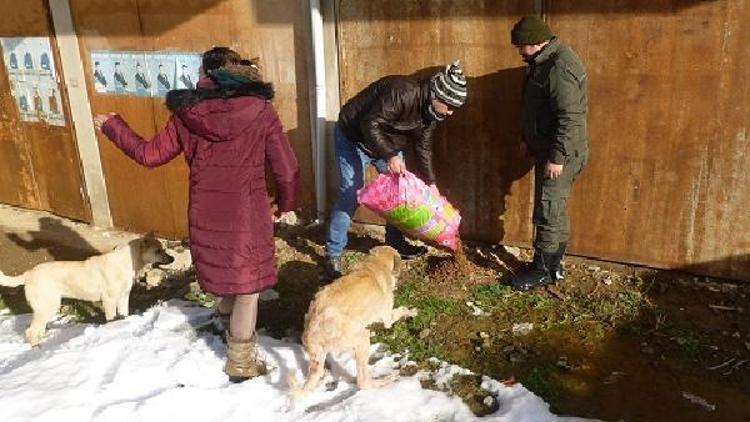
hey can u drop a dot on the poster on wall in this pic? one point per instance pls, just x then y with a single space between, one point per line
33 79
140 76
187 66
144 73
102 70
21 92
161 67
51 103
123 73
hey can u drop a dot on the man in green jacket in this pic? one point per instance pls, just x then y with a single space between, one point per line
554 128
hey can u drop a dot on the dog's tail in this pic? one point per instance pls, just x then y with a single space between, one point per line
7 281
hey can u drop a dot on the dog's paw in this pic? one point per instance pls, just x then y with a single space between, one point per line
32 337
411 312
377 383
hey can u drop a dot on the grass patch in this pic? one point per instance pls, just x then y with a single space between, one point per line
202 298
415 335
403 338
689 344
543 381
491 294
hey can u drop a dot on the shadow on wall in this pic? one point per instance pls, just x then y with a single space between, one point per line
476 153
732 267
55 239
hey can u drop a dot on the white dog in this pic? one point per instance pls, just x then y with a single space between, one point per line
107 278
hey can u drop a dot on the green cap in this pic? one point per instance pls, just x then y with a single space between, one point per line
530 30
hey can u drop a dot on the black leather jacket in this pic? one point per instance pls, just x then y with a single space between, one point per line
389 114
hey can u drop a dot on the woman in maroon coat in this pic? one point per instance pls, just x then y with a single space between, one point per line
228 131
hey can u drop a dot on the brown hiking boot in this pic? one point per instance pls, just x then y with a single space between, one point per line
242 359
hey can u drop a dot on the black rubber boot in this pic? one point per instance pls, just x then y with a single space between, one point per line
333 267
556 270
534 275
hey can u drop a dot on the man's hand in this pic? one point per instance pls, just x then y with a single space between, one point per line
101 119
396 165
552 170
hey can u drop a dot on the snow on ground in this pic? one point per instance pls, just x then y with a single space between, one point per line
157 367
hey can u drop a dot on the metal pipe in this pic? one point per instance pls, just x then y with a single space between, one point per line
318 105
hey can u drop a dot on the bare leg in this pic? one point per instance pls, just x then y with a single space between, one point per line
242 354
244 316
226 303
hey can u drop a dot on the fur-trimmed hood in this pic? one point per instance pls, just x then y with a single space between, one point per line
220 113
180 98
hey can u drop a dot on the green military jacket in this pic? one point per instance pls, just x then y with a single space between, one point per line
554 105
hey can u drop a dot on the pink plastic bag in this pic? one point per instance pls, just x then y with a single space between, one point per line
409 204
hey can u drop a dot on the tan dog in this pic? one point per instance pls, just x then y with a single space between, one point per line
339 316
107 277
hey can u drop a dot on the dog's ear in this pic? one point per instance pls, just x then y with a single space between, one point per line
388 254
396 263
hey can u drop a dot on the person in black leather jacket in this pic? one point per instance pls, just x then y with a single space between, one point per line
374 127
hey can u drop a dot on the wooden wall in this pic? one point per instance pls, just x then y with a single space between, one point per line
274 30
39 163
669 103
669 97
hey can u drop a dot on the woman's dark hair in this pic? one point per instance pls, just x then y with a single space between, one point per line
218 57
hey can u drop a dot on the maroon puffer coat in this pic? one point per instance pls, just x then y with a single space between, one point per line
227 136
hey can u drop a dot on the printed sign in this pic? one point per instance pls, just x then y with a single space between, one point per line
144 73
187 66
33 79
161 68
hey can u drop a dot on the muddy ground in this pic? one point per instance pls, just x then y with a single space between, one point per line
612 341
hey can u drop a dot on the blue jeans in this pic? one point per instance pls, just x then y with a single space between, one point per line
351 162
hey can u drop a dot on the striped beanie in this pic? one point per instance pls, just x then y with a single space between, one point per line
450 85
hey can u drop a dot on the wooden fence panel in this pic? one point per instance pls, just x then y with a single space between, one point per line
669 106
40 164
669 103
